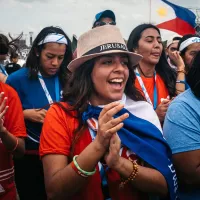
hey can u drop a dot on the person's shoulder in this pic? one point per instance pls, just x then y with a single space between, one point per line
183 109
18 66
8 90
185 99
20 74
9 65
61 108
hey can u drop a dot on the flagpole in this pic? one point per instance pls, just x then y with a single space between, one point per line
149 11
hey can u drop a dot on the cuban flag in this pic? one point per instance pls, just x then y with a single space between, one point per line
171 17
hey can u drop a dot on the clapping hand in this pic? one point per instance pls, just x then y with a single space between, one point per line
108 125
3 110
112 157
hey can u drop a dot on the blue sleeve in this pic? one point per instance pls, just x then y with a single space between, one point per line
11 81
182 128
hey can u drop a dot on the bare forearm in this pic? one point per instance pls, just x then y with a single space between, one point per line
147 180
66 182
27 114
10 142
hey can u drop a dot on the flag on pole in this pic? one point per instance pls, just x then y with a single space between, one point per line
172 17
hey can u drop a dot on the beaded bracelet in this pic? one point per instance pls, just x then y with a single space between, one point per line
77 171
181 71
17 142
132 175
81 170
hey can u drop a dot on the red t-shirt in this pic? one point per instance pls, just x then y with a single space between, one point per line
162 91
57 137
14 123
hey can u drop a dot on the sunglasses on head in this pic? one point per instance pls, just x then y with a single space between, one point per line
104 23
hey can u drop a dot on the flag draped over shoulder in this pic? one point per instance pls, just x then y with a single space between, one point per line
172 17
146 141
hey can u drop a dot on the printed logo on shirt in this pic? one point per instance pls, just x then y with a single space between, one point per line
171 167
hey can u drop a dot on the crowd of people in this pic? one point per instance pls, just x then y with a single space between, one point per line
114 119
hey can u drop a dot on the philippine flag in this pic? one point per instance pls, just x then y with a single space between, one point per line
175 18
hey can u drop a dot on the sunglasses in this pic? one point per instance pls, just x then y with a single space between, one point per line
104 23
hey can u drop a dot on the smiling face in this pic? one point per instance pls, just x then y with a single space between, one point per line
109 76
51 58
150 46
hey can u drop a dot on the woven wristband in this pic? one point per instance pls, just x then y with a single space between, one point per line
81 170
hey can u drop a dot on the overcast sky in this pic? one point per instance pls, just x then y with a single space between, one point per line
74 16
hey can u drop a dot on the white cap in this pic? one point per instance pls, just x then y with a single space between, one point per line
171 41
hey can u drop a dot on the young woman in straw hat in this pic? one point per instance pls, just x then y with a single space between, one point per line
104 141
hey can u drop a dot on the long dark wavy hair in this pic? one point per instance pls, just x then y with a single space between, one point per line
162 67
80 87
33 61
7 46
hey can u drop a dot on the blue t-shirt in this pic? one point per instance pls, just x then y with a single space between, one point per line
32 96
182 131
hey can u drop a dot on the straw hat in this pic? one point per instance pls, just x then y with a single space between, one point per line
101 41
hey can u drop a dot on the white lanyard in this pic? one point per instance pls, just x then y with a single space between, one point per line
50 100
145 90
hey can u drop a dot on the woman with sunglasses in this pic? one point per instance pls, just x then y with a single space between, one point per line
103 141
39 84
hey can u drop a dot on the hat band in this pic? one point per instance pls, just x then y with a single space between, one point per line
107 47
